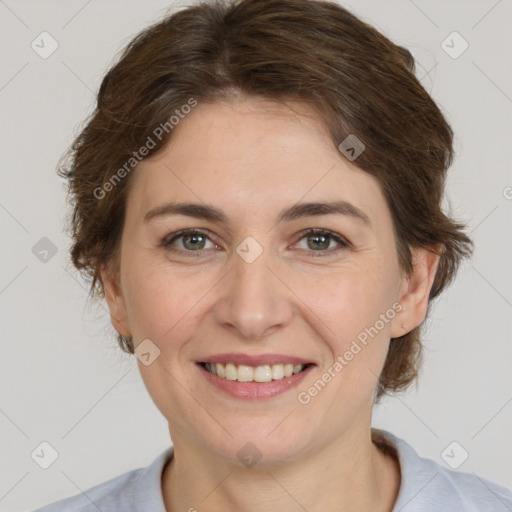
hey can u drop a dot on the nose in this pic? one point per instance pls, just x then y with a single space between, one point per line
255 300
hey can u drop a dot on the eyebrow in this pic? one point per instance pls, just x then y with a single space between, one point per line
297 211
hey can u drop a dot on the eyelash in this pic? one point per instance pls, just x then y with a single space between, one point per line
343 243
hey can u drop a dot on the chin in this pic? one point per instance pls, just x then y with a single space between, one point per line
262 441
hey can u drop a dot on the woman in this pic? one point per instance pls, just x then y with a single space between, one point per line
258 198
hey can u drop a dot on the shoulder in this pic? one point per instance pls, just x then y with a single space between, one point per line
107 496
139 489
427 486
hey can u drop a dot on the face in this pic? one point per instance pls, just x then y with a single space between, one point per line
254 290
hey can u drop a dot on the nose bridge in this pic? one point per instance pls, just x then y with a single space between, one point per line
254 300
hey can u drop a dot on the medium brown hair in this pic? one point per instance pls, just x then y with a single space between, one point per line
356 80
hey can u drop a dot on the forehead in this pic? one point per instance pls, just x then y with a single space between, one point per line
251 155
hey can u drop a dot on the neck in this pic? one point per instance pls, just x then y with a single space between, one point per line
349 474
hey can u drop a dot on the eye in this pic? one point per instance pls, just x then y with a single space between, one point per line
319 241
192 240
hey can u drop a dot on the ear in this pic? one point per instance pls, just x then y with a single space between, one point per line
415 290
115 300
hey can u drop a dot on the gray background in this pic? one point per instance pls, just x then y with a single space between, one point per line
64 381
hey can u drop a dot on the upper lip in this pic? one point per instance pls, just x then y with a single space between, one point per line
254 360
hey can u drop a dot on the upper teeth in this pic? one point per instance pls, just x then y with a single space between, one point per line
244 373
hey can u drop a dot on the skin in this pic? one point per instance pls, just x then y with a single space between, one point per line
251 158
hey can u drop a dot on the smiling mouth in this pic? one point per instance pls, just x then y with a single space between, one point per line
245 373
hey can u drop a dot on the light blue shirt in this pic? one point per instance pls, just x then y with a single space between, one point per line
425 487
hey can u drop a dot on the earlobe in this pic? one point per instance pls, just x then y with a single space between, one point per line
115 301
415 290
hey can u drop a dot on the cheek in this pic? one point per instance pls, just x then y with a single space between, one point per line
156 300
350 300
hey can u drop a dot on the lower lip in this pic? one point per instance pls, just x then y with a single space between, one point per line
254 390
